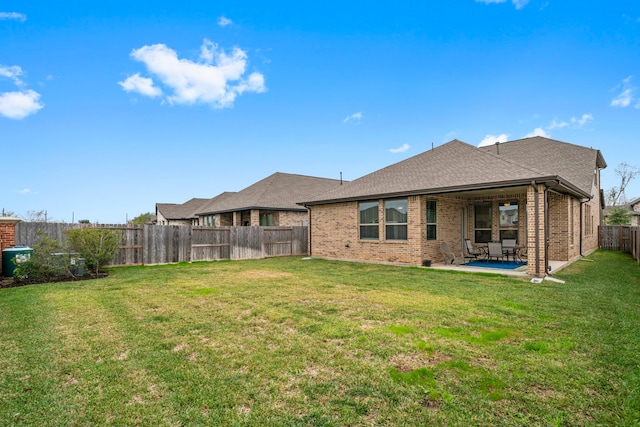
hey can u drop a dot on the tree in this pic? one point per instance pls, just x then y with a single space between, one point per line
37 216
98 246
84 221
142 218
615 195
618 216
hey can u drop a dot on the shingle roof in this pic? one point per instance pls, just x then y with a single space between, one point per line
186 210
280 191
457 166
211 203
572 162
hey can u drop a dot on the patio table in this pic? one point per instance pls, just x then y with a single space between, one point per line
514 251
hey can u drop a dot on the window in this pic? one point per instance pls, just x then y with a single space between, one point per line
482 222
431 220
508 220
209 220
368 215
266 219
395 217
588 220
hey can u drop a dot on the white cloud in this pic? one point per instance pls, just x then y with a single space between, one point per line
224 21
12 73
18 105
558 125
13 15
217 80
626 97
24 191
582 120
538 132
492 139
574 123
623 99
519 4
141 85
401 149
355 116
207 51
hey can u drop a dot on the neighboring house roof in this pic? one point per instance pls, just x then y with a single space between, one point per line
634 202
280 191
458 166
209 207
629 206
186 210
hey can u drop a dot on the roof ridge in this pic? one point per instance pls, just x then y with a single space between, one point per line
531 169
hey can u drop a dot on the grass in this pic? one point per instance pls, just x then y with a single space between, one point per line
298 342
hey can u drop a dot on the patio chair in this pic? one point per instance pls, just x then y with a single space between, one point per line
471 251
495 251
449 256
509 248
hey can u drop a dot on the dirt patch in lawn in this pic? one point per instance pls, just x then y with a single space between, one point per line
263 274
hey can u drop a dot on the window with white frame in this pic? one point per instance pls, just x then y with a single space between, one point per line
395 212
368 220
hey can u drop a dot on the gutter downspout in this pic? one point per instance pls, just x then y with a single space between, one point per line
309 232
581 226
546 232
537 227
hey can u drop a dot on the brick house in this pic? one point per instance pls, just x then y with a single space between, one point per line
634 212
542 192
634 207
269 202
179 214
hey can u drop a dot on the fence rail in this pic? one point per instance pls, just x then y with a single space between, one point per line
620 238
166 244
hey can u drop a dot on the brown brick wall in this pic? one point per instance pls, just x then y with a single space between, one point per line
7 235
335 229
281 218
335 233
532 219
558 226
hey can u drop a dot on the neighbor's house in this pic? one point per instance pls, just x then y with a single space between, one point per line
269 202
634 206
542 192
634 212
175 214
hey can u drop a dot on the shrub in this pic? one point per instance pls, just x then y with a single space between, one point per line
98 246
46 262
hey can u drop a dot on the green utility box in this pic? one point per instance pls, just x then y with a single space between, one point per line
20 253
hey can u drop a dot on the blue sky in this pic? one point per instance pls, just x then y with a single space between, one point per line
107 108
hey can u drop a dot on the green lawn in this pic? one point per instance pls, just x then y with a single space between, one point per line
293 342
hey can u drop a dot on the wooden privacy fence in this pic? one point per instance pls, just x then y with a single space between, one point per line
620 238
165 244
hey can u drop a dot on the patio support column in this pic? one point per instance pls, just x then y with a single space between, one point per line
536 232
255 217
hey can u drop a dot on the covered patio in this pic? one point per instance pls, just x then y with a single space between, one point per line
555 266
542 218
